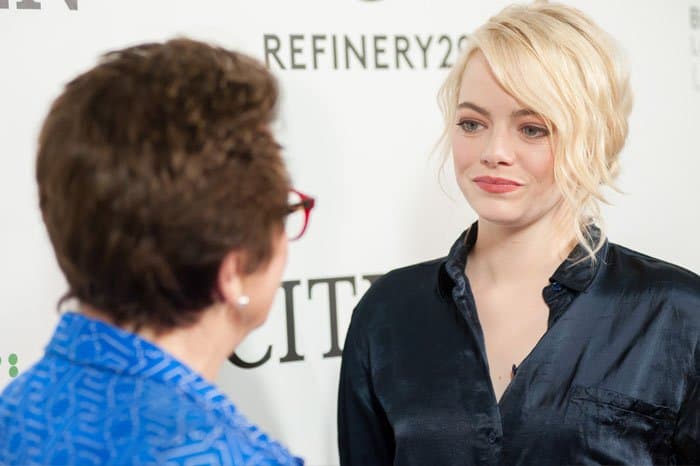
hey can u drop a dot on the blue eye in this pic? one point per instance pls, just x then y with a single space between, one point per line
469 126
531 131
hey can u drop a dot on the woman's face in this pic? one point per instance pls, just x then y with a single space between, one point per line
502 152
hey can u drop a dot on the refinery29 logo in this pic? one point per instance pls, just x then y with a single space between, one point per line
34 4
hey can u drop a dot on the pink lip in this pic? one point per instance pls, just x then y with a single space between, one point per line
496 185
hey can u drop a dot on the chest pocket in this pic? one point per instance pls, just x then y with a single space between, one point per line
614 428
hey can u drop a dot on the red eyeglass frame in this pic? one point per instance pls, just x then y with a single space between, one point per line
307 203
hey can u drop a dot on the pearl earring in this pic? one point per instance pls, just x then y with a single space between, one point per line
242 301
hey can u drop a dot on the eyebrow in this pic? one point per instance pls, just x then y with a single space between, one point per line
516 114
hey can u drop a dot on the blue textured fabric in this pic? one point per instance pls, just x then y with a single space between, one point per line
101 395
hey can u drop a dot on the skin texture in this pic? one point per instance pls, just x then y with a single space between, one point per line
519 244
507 143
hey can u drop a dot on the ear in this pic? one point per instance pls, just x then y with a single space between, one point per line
230 277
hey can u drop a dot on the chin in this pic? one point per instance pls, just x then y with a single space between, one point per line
498 212
503 220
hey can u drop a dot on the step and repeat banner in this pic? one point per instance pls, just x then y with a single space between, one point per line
358 122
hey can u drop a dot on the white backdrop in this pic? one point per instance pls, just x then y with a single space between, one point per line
358 137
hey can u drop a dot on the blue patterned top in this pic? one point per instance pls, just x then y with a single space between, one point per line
101 395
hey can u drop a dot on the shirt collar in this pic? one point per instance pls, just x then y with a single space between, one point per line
574 273
578 271
93 343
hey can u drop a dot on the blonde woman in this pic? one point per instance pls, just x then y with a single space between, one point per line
535 340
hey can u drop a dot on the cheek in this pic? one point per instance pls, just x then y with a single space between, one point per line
540 165
465 151
279 262
271 276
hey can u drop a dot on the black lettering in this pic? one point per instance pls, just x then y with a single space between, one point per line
694 17
335 52
294 50
424 48
292 354
272 51
316 49
445 63
333 306
462 42
378 50
251 365
371 278
34 5
28 5
362 58
401 51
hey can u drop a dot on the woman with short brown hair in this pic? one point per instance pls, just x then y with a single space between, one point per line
165 199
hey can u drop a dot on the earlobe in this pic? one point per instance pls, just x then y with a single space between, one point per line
230 281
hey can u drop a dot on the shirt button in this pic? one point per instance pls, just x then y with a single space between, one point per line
492 437
556 286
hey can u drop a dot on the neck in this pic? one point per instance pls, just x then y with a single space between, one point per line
203 346
503 254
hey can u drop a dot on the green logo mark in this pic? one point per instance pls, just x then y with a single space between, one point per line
12 359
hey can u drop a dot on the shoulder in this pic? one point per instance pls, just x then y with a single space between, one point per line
652 274
669 296
207 429
670 293
229 439
128 419
404 283
399 290
35 391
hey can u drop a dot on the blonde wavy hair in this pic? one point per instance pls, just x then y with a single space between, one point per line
557 62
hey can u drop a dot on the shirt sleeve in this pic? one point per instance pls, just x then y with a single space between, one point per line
365 437
687 436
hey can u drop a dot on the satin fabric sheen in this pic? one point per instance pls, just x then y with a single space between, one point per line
614 380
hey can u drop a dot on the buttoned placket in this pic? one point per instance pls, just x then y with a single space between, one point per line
558 297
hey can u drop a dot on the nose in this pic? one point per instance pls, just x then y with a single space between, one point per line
499 149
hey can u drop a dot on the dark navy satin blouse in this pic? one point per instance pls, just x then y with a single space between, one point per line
614 380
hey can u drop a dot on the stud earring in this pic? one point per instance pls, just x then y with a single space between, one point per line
242 301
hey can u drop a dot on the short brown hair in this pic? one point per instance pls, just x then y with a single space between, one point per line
151 167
